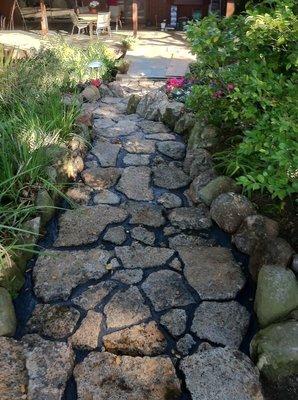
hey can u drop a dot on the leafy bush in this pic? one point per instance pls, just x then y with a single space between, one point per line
247 69
34 122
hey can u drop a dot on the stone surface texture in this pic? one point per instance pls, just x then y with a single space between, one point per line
219 374
133 295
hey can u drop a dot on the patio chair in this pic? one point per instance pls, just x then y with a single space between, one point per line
80 25
103 23
116 16
2 22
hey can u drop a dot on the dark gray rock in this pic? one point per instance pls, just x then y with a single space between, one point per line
106 197
54 321
138 256
172 113
185 344
94 295
216 187
170 200
194 218
212 272
221 323
197 161
166 289
126 308
221 374
84 225
56 273
115 235
169 176
174 321
106 152
145 214
229 210
175 150
270 252
143 235
254 229
135 183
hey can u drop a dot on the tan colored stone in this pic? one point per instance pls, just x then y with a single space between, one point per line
86 337
139 340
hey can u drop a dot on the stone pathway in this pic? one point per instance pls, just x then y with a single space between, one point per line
135 301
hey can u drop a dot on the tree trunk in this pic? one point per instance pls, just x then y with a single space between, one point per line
44 18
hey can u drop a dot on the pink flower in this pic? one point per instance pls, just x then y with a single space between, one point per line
230 87
173 83
95 82
218 94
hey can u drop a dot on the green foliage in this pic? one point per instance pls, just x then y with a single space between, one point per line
34 125
246 72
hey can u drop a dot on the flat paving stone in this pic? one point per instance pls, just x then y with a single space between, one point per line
56 273
161 136
145 214
170 200
115 235
129 277
169 177
194 218
84 225
135 183
54 321
86 337
139 256
13 372
106 152
100 124
133 378
80 193
221 323
175 150
101 178
138 144
221 373
139 340
174 321
122 128
166 289
175 242
153 127
136 159
212 272
143 235
94 295
106 197
126 308
49 366
185 344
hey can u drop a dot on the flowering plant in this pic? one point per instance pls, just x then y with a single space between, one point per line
96 82
93 4
174 83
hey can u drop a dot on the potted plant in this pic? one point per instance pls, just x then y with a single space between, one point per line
93 6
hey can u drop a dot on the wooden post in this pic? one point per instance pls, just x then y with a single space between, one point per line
44 18
135 17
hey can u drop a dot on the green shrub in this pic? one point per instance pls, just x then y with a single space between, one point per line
246 71
33 122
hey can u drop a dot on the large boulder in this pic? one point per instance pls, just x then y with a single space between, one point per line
8 321
153 105
274 251
276 295
203 179
204 136
197 161
172 113
253 229
185 124
274 349
229 210
219 185
90 93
